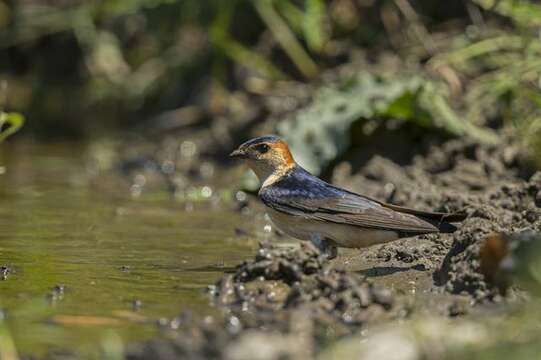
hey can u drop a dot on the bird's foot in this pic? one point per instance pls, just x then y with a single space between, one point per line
326 249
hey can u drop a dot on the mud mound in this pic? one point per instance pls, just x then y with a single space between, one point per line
272 263
287 280
283 303
492 183
508 209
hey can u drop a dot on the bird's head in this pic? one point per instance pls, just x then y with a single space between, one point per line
266 155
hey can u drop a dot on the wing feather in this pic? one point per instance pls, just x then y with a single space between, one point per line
345 208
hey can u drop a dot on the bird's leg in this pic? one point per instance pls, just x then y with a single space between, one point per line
324 246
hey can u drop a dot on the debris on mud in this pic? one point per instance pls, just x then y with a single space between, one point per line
56 293
301 278
272 263
282 303
5 271
508 209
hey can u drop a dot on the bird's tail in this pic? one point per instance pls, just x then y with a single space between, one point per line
446 227
438 216
442 221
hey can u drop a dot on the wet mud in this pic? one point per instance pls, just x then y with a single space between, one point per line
285 303
493 184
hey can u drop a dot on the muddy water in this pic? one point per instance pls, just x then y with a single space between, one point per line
108 251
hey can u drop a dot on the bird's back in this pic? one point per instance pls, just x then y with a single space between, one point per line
299 193
299 183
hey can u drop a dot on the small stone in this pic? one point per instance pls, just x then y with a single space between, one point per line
59 288
136 304
537 199
4 272
383 296
233 325
56 294
457 309
531 215
240 232
162 322
509 156
256 345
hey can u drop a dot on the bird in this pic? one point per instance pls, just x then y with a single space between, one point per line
305 207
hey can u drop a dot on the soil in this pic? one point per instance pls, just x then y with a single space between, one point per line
289 302
493 184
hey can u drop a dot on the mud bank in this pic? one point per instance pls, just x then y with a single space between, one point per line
494 184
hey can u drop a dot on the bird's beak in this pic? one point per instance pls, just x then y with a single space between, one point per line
237 154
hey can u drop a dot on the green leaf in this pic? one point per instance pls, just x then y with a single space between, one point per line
432 100
14 121
402 108
320 133
292 14
314 29
222 40
285 36
523 13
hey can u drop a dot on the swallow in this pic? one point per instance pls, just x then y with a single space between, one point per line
308 208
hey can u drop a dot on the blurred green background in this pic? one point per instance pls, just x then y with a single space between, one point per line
82 68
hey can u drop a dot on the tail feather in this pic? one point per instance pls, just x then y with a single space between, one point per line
446 227
427 215
442 221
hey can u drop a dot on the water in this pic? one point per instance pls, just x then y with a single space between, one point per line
106 248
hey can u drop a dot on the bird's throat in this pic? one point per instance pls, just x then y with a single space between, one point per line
266 173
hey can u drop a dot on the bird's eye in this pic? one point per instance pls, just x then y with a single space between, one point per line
262 148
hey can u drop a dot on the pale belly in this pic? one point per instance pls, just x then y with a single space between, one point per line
342 235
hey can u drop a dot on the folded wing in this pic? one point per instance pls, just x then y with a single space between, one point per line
345 208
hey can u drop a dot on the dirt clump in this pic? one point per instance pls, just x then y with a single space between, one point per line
286 303
306 280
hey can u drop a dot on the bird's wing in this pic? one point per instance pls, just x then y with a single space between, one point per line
343 207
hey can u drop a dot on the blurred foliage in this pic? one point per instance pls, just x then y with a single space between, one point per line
502 68
9 124
521 268
522 264
75 66
320 132
7 346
